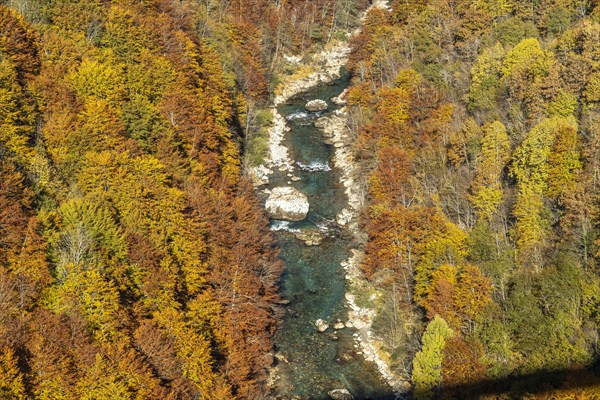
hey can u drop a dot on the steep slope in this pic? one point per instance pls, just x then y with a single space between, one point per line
478 131
135 261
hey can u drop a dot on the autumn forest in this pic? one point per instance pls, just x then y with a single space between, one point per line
136 259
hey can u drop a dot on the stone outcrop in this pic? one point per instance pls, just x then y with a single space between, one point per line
287 203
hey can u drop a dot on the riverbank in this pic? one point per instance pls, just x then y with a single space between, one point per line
336 132
323 67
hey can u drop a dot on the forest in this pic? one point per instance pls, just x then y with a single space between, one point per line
136 261
477 130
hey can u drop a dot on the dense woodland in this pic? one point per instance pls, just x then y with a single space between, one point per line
478 129
135 261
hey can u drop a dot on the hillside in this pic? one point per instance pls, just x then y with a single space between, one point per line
478 133
135 260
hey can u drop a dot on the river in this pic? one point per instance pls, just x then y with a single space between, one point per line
312 363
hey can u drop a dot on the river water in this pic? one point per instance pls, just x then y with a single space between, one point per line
313 363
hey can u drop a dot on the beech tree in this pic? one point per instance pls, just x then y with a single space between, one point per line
530 168
427 373
12 385
487 184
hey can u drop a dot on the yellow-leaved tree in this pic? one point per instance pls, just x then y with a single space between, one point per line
487 185
531 168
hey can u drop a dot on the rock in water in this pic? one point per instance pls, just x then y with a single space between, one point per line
310 237
287 203
340 394
322 325
316 105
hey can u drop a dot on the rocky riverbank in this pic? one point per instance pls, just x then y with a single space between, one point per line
323 68
336 132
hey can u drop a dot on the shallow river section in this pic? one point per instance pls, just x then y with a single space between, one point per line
312 363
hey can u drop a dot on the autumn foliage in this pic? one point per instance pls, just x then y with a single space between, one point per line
479 141
135 261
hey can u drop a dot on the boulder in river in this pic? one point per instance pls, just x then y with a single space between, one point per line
287 203
316 105
340 394
310 237
344 356
339 325
321 325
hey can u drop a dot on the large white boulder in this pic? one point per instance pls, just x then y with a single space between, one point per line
287 203
316 105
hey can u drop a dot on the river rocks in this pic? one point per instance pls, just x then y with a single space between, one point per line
325 67
321 325
310 237
344 217
322 122
340 394
259 175
345 357
316 105
360 324
339 325
340 100
280 357
292 313
287 203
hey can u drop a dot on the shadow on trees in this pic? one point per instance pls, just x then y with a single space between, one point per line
574 383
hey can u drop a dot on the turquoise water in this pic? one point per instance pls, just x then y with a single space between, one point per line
313 280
